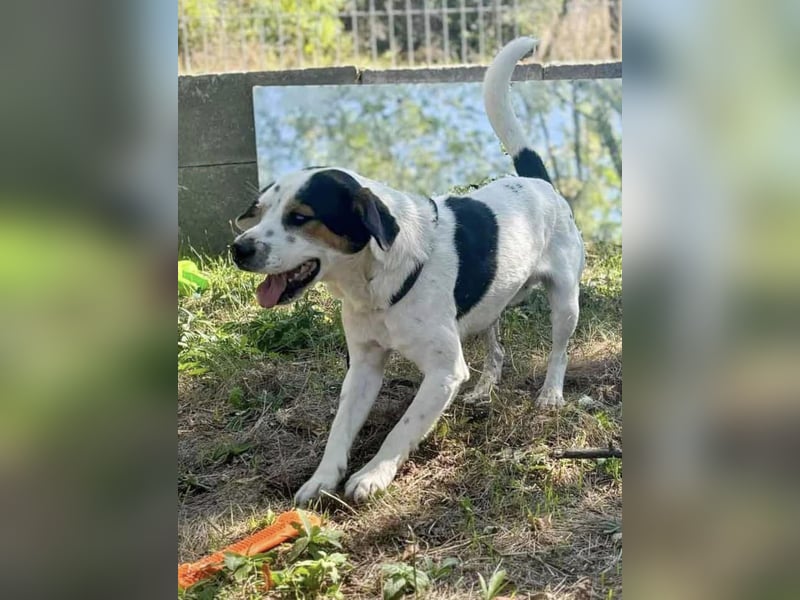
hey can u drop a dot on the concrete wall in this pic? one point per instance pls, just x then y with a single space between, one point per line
216 132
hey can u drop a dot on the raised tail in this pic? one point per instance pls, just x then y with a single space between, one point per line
496 85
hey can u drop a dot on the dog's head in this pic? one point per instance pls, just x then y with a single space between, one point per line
303 224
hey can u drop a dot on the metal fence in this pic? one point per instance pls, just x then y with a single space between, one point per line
246 35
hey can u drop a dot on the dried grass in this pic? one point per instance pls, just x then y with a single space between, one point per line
482 487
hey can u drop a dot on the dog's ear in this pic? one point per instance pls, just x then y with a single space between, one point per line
376 218
248 218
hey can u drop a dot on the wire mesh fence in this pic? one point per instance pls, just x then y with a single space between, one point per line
246 35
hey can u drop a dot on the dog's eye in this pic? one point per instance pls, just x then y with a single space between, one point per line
297 219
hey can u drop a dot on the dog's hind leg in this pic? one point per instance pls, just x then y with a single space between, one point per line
563 297
492 366
359 391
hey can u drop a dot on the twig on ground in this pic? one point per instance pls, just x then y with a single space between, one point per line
609 452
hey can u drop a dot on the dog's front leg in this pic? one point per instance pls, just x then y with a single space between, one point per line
359 391
438 388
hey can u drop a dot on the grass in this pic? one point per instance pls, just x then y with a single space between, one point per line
481 496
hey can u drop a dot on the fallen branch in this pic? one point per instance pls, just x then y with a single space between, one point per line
609 452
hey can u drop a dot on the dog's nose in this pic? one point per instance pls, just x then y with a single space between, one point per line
242 250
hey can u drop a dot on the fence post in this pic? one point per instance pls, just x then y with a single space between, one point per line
445 32
354 19
372 43
409 34
427 18
392 44
187 56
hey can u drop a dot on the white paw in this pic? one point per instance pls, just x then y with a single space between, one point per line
550 398
312 488
370 480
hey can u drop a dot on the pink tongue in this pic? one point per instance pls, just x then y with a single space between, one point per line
269 291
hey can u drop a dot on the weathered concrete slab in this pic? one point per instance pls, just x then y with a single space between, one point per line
443 74
316 76
210 197
598 70
215 112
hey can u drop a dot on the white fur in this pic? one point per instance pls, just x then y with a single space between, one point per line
496 97
538 243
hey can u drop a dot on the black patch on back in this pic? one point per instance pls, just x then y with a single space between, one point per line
407 285
476 238
337 201
529 164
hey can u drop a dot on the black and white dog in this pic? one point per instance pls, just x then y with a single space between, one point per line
417 275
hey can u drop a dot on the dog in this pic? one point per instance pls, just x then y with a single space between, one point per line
416 275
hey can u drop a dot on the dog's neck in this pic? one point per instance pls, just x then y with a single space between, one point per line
368 280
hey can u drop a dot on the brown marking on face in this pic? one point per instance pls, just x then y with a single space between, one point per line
316 230
299 207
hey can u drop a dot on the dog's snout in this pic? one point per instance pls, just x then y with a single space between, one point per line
242 250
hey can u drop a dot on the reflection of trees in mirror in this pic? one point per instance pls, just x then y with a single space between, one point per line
431 138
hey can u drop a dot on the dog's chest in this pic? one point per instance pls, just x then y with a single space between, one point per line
369 326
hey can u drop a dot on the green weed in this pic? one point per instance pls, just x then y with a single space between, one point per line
495 585
400 579
312 568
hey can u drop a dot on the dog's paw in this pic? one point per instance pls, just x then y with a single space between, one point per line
369 481
313 487
550 398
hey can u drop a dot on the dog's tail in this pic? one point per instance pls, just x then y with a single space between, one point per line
498 107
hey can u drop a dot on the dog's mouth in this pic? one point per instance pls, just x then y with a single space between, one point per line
282 288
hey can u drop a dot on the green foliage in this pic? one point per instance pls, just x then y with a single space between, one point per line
313 540
324 32
302 327
495 585
611 466
222 329
400 579
310 26
313 578
228 451
312 568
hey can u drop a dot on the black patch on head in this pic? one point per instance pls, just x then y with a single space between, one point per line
348 209
277 188
291 239
269 233
476 241
407 285
529 164
515 187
